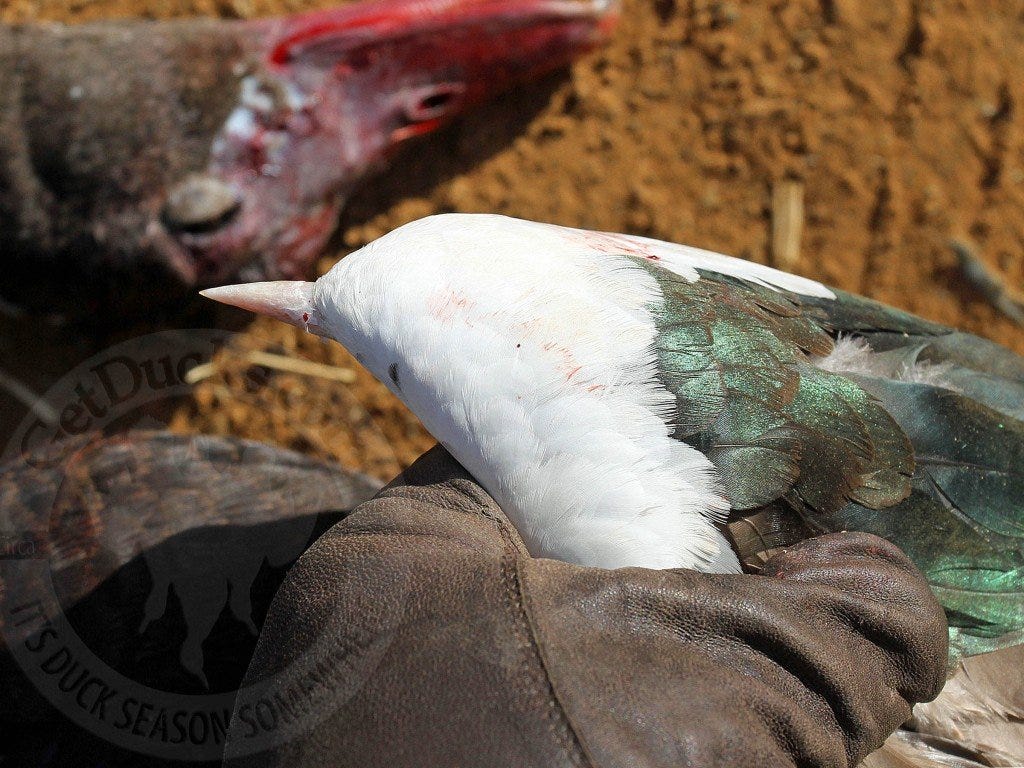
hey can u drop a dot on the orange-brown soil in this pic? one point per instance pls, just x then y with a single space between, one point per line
901 122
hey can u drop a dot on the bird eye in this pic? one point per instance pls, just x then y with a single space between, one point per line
434 101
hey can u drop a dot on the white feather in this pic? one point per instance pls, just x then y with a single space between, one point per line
685 260
528 351
854 356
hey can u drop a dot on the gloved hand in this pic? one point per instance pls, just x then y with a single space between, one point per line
419 632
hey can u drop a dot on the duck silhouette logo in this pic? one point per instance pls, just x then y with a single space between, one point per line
211 570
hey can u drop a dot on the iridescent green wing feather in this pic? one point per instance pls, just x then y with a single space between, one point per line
964 522
803 451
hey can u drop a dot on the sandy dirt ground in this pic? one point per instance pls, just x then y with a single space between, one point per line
898 125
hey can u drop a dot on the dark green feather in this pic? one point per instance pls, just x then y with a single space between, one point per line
802 451
756 452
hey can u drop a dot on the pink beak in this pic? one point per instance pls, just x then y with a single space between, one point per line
290 301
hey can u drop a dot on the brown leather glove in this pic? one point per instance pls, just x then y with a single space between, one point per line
419 632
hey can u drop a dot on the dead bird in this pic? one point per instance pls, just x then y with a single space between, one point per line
635 403
1006 299
140 157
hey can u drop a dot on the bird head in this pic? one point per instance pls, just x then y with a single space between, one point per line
338 91
412 294
397 297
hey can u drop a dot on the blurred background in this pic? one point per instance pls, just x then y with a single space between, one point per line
845 140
